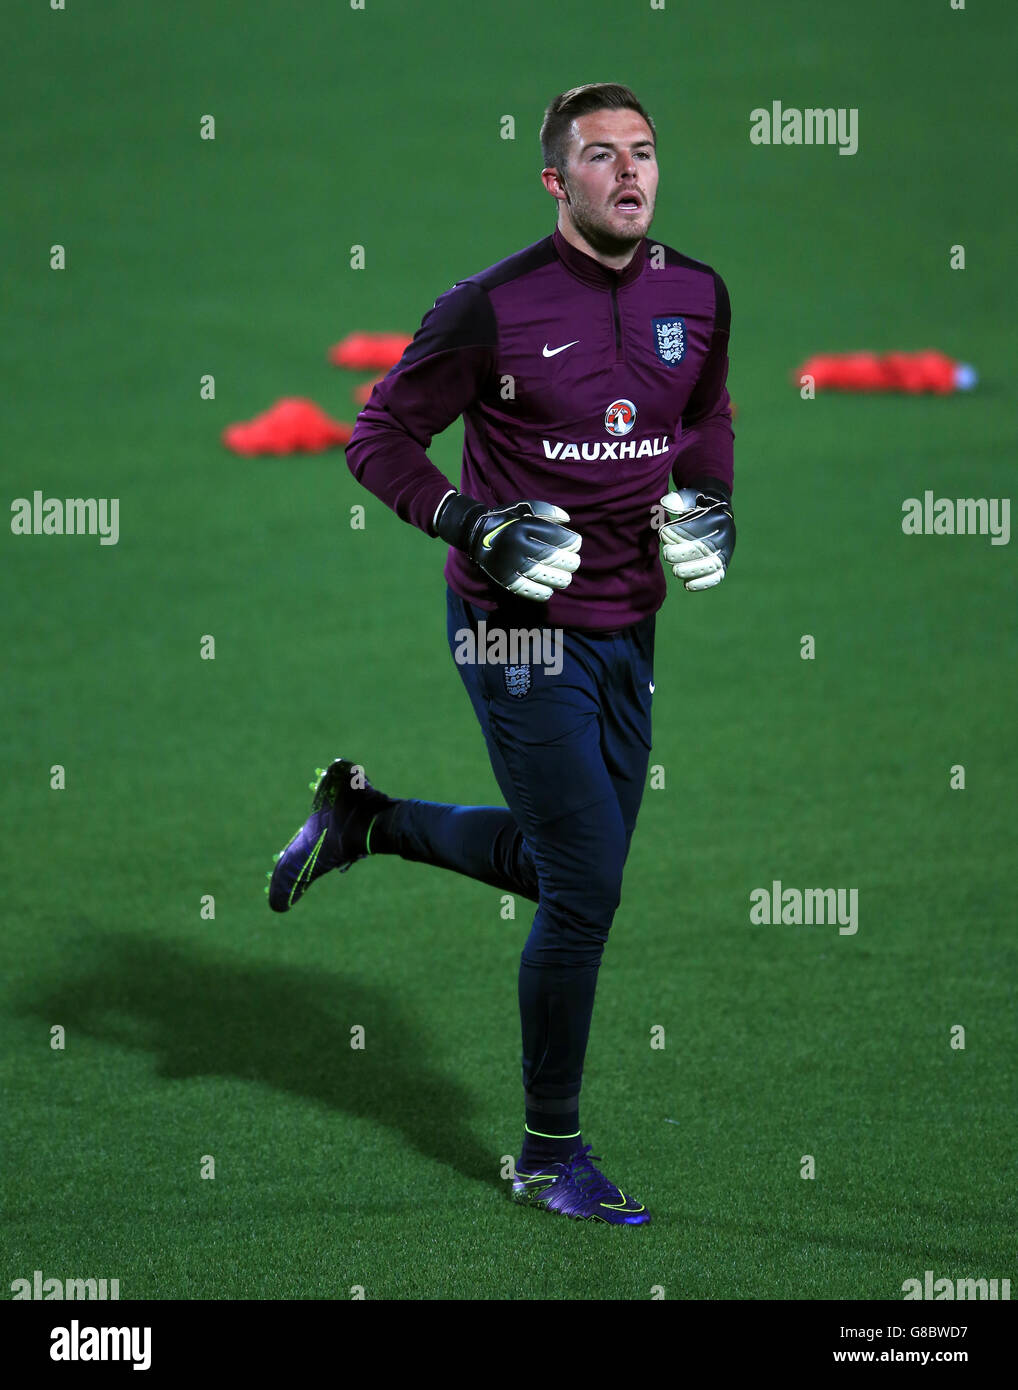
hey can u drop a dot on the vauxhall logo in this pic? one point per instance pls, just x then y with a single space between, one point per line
619 419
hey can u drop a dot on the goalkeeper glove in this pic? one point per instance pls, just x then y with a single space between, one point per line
522 547
698 538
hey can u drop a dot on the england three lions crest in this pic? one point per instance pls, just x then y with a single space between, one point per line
517 680
670 340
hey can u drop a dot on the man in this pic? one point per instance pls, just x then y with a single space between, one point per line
589 368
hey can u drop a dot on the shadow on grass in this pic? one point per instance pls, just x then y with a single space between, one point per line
916 1253
281 1026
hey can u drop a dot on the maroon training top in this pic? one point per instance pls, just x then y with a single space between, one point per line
579 385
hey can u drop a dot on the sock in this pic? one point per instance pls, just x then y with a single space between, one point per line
541 1147
378 839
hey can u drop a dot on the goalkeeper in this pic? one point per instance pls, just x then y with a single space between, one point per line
590 371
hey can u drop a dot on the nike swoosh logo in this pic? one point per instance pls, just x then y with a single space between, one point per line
552 352
486 542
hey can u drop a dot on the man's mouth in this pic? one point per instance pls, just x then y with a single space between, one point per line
629 202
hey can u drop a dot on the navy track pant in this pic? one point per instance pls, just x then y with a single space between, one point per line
569 749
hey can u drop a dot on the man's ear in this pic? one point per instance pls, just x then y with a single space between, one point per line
555 183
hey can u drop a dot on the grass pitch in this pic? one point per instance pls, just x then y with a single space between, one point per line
230 1038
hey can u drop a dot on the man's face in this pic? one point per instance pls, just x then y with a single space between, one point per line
610 183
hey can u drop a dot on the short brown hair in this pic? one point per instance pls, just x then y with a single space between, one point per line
581 101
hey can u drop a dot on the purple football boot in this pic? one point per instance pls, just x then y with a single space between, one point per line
334 836
579 1190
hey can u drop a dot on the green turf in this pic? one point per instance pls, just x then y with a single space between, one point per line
381 1167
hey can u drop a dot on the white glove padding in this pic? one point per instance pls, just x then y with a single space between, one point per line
698 538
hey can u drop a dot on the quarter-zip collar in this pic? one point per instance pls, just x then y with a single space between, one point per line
592 272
